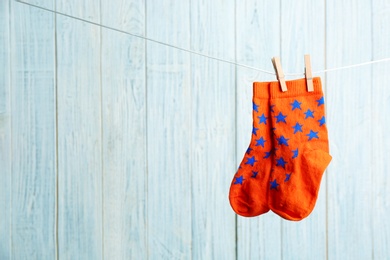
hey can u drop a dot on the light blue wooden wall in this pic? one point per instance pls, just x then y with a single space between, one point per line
112 147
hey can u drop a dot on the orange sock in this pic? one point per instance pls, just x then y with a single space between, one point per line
301 145
249 188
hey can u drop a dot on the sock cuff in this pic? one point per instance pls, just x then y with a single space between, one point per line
294 88
261 90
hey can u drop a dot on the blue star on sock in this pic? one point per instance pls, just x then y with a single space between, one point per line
282 140
288 175
280 118
312 135
321 121
297 128
251 160
263 119
295 153
254 174
271 108
239 180
320 101
267 154
281 162
254 130
309 113
248 151
260 141
295 105
274 185
255 107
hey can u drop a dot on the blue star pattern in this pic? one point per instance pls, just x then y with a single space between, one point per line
239 180
263 119
254 174
251 160
280 118
295 153
260 141
295 105
312 135
282 140
274 185
320 101
280 137
281 162
267 154
309 113
297 128
321 121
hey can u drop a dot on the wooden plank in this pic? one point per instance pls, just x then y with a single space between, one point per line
79 140
85 9
213 112
168 131
303 32
49 4
349 92
258 39
124 15
5 131
33 133
124 131
380 128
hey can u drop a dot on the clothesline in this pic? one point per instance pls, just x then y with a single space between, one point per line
202 54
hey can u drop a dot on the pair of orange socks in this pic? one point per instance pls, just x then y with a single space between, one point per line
288 153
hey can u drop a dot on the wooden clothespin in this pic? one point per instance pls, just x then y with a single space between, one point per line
279 73
308 74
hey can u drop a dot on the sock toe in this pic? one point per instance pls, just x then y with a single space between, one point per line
247 208
245 205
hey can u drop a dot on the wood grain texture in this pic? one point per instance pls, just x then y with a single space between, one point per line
212 113
5 131
258 39
149 137
380 129
168 131
80 234
124 131
128 16
33 133
49 4
302 32
85 9
349 103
